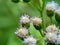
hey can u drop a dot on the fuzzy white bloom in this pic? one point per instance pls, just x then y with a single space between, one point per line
30 40
57 11
22 32
59 31
52 28
50 37
24 19
58 39
51 6
36 21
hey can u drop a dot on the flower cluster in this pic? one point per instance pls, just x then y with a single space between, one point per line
51 8
23 32
52 34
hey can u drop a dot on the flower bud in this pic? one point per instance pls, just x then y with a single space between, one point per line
25 21
15 1
50 37
30 40
57 15
26 1
52 28
37 22
50 7
22 32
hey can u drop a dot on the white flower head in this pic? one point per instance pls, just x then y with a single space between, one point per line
22 32
30 40
52 28
36 21
57 11
24 19
51 6
50 37
59 31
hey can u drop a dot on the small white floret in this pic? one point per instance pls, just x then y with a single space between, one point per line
24 19
52 28
22 32
36 21
50 37
30 40
57 11
51 6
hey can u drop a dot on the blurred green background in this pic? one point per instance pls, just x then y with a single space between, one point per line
10 13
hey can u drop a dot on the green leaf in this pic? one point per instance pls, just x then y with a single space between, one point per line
41 3
37 4
14 40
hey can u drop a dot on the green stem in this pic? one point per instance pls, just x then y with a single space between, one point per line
41 32
51 19
42 14
43 20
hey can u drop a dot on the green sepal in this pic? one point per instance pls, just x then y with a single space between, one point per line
49 13
27 25
38 27
57 17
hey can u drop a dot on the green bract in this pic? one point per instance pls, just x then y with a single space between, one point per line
38 27
50 13
27 25
57 17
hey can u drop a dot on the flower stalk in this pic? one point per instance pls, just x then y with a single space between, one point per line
42 14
